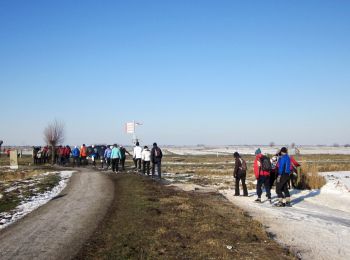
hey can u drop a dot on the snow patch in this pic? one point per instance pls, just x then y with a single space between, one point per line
35 202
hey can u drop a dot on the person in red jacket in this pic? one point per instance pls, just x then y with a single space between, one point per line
262 176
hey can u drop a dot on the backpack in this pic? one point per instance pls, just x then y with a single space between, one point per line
243 167
157 152
265 164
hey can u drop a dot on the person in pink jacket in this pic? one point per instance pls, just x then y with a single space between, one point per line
262 174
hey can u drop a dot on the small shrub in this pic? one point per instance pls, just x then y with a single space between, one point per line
309 177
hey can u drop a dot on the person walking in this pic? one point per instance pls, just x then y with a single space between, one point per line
262 167
156 158
83 155
137 156
274 170
239 173
101 154
107 156
94 155
76 155
284 170
146 160
123 152
115 157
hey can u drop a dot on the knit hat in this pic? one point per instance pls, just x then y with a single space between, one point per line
284 150
258 151
236 154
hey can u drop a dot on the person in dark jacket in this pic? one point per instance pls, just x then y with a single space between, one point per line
283 178
239 173
101 154
123 152
156 158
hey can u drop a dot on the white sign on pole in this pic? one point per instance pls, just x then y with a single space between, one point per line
130 128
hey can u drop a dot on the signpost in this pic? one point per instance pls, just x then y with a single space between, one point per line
130 128
13 160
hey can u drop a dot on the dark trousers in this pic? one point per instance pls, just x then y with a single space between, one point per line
159 170
83 160
76 161
115 164
272 178
146 167
108 162
263 180
245 190
137 164
122 163
282 186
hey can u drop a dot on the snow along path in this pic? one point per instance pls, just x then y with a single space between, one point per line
58 229
318 224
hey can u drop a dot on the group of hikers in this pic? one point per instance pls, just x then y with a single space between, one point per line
110 157
267 170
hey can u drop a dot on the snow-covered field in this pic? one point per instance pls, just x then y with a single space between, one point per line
316 227
318 224
27 206
244 149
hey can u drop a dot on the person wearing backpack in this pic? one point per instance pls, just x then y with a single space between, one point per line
284 170
262 168
76 154
83 155
239 173
156 158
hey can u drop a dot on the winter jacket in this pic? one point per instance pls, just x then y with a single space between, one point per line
156 157
101 151
238 172
108 153
83 151
123 152
76 152
257 167
284 164
146 155
137 152
294 163
116 153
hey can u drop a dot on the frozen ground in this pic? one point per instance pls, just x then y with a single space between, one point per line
316 227
244 149
27 206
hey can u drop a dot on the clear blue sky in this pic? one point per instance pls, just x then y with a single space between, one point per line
209 72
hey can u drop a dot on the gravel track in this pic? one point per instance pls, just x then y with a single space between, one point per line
58 229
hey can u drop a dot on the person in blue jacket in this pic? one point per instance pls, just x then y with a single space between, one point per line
283 178
115 157
107 156
76 156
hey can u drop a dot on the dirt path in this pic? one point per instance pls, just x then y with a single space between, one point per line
58 229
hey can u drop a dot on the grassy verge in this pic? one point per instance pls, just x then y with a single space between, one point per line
27 184
151 221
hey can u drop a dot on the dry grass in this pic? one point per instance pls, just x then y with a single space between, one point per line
152 221
309 177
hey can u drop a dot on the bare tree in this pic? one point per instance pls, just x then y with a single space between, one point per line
54 135
272 144
292 145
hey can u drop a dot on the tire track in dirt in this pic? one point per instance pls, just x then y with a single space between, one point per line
58 229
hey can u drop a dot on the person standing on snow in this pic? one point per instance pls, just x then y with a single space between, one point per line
262 167
284 171
115 157
137 156
156 158
146 160
239 173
